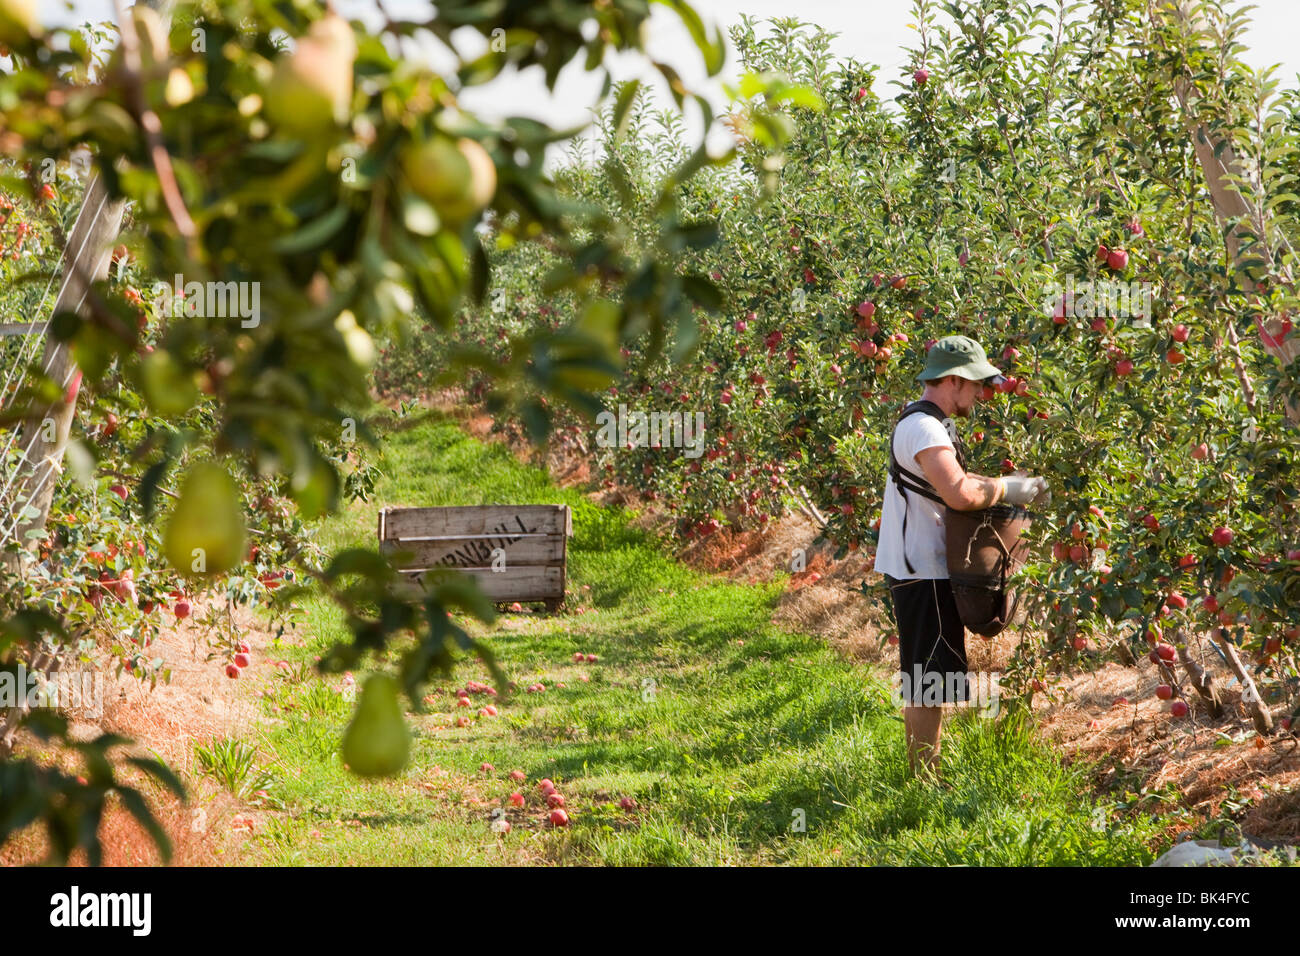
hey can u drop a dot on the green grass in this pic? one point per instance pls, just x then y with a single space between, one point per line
742 743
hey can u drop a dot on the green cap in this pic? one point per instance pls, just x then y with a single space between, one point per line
958 355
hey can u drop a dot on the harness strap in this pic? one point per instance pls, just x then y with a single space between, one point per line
905 480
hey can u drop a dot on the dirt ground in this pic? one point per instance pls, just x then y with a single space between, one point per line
200 704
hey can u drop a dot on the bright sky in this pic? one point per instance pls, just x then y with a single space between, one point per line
874 31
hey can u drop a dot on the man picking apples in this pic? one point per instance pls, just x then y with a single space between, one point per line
929 464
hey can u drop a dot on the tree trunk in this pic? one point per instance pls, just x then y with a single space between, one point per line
1218 160
1249 693
1201 679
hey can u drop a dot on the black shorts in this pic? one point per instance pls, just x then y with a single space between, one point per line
931 642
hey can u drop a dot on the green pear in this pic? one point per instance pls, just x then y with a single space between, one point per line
170 390
457 178
310 89
377 743
18 21
207 519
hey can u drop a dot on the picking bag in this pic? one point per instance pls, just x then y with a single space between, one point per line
984 549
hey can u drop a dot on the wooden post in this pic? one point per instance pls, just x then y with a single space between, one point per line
88 254
90 249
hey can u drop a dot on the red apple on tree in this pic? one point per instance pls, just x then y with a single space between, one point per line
1222 536
1180 333
1117 259
920 76
1201 452
1178 708
1164 692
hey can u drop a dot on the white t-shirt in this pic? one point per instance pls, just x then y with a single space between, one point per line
926 547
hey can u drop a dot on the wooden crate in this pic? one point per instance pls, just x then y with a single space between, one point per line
514 552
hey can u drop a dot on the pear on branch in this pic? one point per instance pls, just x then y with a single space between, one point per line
18 23
456 177
377 743
205 534
311 88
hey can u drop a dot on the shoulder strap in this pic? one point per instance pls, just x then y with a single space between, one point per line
905 480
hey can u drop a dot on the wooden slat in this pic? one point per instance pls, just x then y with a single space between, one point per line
476 552
519 584
504 521
25 328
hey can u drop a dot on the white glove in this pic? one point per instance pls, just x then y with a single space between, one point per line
1022 491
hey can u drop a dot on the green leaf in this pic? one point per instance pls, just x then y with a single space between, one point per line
314 234
622 107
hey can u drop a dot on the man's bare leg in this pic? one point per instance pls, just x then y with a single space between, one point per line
922 726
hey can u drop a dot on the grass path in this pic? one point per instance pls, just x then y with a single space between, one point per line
740 742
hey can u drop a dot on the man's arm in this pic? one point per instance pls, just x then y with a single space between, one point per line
959 490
